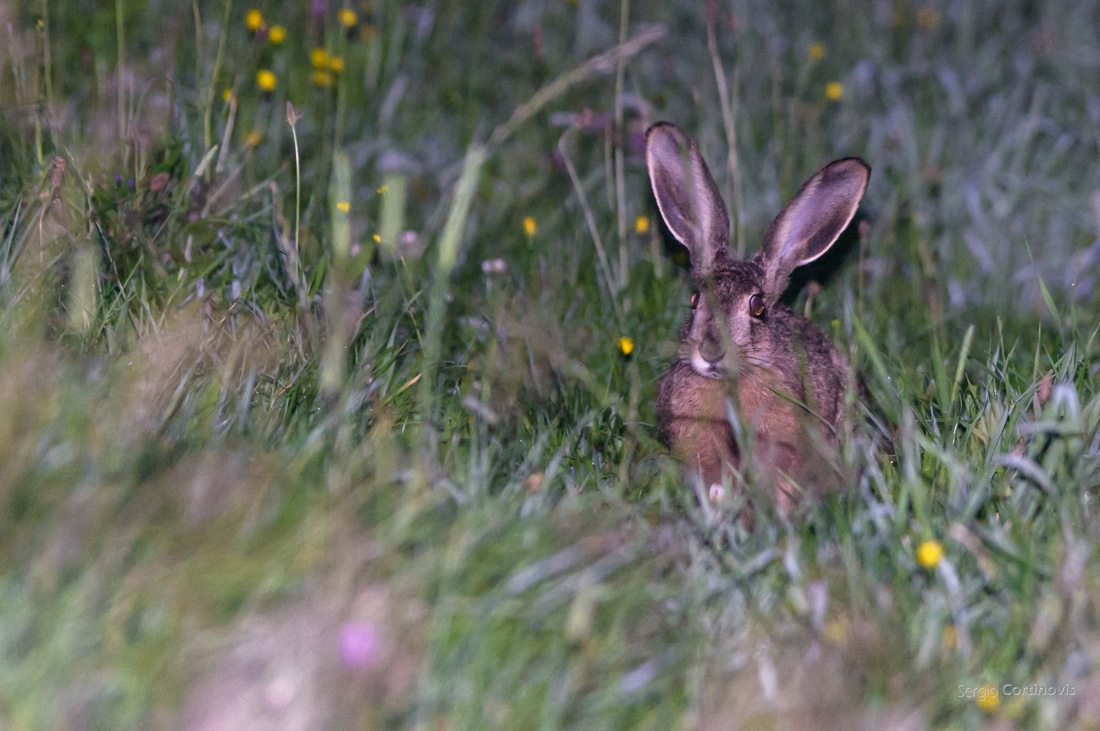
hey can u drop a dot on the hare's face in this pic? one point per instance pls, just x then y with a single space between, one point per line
727 327
730 326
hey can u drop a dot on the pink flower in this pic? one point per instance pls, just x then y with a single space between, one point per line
359 645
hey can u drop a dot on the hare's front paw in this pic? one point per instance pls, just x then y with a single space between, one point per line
717 492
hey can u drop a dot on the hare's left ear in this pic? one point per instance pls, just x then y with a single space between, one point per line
812 221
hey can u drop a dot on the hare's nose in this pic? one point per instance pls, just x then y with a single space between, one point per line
711 349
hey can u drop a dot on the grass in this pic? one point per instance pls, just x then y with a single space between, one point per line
305 425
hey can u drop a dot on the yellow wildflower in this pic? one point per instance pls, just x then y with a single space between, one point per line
347 17
817 51
336 63
377 239
641 224
277 34
988 698
626 345
253 19
227 95
530 226
927 17
252 139
834 90
836 630
929 554
950 637
318 57
322 78
343 206
266 80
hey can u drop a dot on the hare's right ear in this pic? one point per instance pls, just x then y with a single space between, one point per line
687 195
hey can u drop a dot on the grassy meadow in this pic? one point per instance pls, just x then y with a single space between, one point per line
330 336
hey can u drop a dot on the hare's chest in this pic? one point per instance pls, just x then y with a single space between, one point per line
764 409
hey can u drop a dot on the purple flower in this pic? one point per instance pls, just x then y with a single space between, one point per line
359 645
317 8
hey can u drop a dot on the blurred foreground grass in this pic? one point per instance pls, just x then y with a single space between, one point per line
322 416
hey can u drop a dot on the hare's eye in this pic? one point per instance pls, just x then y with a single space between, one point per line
694 300
756 305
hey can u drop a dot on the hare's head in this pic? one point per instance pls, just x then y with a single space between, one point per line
736 302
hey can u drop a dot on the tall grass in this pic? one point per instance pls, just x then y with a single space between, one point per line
322 418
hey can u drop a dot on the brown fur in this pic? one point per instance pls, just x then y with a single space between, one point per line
784 379
778 399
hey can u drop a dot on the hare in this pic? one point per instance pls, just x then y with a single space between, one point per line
783 377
